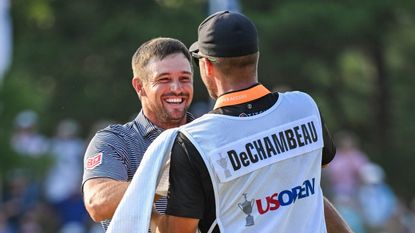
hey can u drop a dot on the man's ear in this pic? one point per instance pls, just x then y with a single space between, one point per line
208 65
138 85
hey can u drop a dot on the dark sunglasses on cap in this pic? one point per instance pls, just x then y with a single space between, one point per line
197 56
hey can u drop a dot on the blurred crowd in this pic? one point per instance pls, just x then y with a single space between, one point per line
44 194
358 188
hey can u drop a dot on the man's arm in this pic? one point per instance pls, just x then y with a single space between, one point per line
105 175
334 222
172 224
102 196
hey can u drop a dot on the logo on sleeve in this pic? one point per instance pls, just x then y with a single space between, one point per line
94 161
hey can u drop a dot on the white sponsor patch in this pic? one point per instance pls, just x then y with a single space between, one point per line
267 147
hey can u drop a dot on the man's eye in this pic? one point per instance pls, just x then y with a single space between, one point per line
186 79
163 80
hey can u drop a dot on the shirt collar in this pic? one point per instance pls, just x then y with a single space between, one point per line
147 128
241 96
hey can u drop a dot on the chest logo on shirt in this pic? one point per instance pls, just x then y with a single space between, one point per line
265 148
94 161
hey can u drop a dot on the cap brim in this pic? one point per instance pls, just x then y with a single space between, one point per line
194 48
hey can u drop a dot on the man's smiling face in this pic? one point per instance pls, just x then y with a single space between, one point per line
167 92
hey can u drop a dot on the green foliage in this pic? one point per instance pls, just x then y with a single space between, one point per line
72 59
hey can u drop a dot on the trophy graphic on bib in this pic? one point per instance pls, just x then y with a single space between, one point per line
223 162
246 207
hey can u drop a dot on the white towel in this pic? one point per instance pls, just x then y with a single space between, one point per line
134 211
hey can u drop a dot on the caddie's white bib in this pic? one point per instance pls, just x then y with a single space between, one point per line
265 169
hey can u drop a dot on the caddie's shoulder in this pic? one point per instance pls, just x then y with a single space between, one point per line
298 95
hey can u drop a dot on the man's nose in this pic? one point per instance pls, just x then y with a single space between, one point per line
176 86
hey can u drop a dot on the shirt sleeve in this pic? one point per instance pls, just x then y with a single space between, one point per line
105 157
186 194
329 149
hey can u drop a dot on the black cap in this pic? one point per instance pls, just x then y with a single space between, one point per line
226 34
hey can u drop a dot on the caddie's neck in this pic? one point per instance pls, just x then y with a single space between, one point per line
230 84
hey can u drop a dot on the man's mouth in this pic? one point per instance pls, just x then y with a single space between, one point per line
174 100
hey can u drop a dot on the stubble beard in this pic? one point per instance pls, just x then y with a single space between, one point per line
172 118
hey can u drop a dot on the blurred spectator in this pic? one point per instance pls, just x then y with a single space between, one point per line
64 177
358 189
344 171
25 139
377 201
343 176
20 196
4 225
348 209
29 223
55 206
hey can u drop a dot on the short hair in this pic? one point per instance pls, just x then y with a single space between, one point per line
228 65
158 48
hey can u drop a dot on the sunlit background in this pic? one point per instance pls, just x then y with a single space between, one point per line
65 72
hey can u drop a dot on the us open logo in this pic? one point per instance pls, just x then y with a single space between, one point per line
285 197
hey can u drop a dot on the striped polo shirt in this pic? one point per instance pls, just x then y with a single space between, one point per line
116 152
